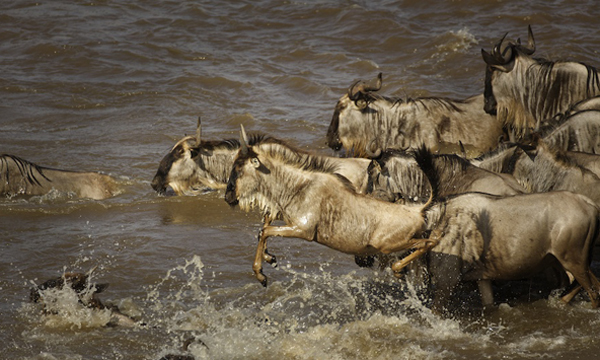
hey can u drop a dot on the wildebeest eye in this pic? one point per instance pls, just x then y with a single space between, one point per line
255 162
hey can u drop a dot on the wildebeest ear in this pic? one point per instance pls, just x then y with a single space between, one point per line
361 104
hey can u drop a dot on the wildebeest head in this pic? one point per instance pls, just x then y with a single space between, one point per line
194 165
396 177
245 177
503 66
347 114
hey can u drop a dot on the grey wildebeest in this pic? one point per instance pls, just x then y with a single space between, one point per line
195 165
576 131
362 115
483 237
523 91
397 174
21 177
317 204
544 169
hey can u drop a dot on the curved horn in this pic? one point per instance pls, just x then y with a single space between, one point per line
243 140
377 84
371 154
497 59
497 48
355 89
198 131
528 49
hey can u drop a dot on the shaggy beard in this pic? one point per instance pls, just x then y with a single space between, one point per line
258 201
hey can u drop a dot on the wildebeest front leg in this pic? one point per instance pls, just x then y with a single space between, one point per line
271 259
261 254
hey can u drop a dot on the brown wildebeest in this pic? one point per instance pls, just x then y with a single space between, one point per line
362 115
522 91
317 204
194 165
21 177
483 237
397 174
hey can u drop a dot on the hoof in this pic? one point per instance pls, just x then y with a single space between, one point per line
261 278
271 259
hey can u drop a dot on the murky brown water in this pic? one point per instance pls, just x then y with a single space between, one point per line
110 86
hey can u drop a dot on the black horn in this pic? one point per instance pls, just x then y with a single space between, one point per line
528 49
360 87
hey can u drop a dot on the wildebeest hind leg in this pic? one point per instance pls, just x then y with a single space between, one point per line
584 277
422 245
571 294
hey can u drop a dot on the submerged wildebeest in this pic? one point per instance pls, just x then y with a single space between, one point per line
21 177
194 165
523 91
85 291
317 204
396 174
483 237
361 115
543 169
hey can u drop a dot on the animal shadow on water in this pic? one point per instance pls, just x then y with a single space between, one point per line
85 291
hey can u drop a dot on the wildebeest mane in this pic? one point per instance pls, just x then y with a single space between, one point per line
554 83
234 144
28 170
298 158
498 160
425 102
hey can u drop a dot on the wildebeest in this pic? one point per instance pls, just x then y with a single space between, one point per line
577 131
397 174
362 116
21 177
85 292
523 91
194 165
544 169
483 237
317 204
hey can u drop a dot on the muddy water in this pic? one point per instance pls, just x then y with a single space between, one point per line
111 85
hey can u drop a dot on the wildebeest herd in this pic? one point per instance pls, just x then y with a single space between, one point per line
496 187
